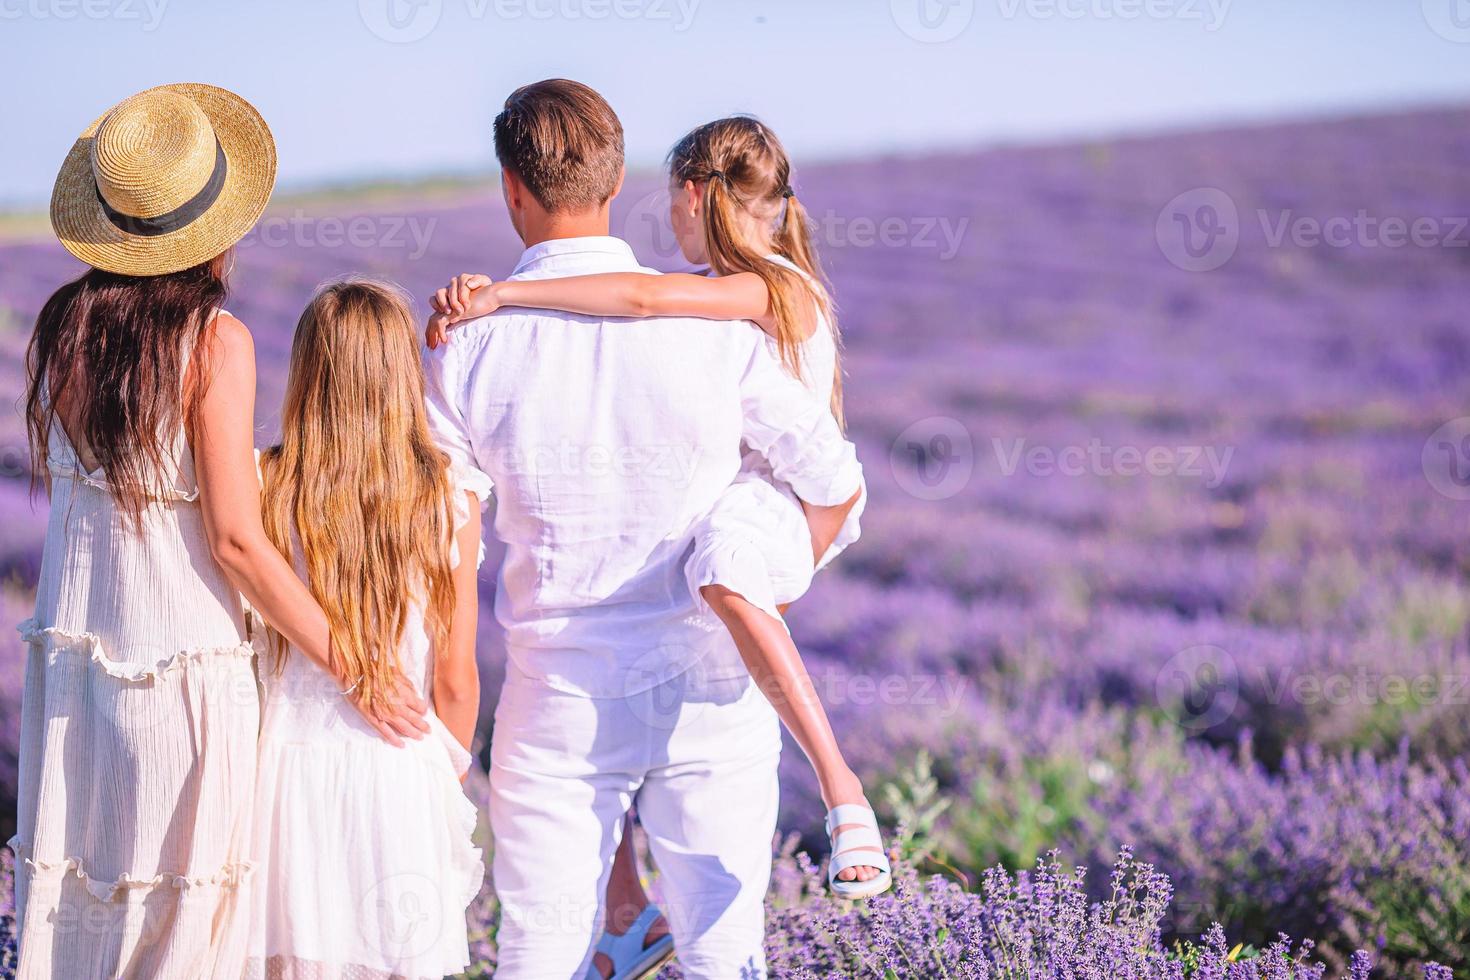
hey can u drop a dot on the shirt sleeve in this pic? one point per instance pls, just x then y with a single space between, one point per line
443 397
796 433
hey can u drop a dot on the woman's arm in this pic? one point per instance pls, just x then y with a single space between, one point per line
456 676
222 437
742 296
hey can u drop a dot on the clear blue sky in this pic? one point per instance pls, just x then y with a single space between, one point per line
352 91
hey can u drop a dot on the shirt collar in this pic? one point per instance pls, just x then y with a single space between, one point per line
596 248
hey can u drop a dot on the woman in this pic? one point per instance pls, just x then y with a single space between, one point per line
140 710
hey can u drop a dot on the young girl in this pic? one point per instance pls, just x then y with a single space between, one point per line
733 210
364 859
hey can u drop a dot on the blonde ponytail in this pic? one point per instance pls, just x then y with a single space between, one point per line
743 167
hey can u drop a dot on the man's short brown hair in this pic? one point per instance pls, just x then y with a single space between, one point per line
563 141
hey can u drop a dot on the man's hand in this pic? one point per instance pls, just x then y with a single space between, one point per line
826 522
466 297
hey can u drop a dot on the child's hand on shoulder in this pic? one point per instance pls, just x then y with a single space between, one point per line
467 296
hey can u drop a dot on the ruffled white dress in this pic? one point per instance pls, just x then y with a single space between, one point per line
755 541
365 851
137 759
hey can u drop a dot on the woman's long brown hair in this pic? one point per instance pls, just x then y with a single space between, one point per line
109 357
742 166
358 481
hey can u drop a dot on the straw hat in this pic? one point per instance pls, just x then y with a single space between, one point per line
164 180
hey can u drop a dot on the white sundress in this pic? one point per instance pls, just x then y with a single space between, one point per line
137 759
367 863
755 540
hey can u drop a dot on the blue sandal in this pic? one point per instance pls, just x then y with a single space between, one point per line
631 959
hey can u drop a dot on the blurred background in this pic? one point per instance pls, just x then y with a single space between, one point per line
1157 354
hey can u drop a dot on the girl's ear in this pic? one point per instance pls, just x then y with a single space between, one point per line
692 198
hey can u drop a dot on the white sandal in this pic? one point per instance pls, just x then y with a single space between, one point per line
631 959
857 846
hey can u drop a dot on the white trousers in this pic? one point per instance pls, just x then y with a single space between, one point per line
699 757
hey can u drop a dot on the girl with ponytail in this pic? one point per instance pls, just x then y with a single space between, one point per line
733 209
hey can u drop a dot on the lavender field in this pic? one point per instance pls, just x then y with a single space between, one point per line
1168 441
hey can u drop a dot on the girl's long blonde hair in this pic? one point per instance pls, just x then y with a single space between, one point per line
359 482
742 166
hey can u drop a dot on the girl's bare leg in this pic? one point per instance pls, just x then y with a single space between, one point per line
626 898
774 662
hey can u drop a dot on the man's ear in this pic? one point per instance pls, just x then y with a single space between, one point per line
513 189
622 173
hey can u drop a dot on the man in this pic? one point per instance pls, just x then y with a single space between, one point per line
603 441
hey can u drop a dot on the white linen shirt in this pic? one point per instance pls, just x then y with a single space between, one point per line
604 439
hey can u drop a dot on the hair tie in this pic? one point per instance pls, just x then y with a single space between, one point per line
720 175
787 192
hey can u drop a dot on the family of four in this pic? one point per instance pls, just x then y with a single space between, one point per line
251 689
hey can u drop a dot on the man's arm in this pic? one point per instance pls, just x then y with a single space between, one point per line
443 398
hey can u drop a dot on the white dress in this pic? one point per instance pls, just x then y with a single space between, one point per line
755 541
365 851
137 759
